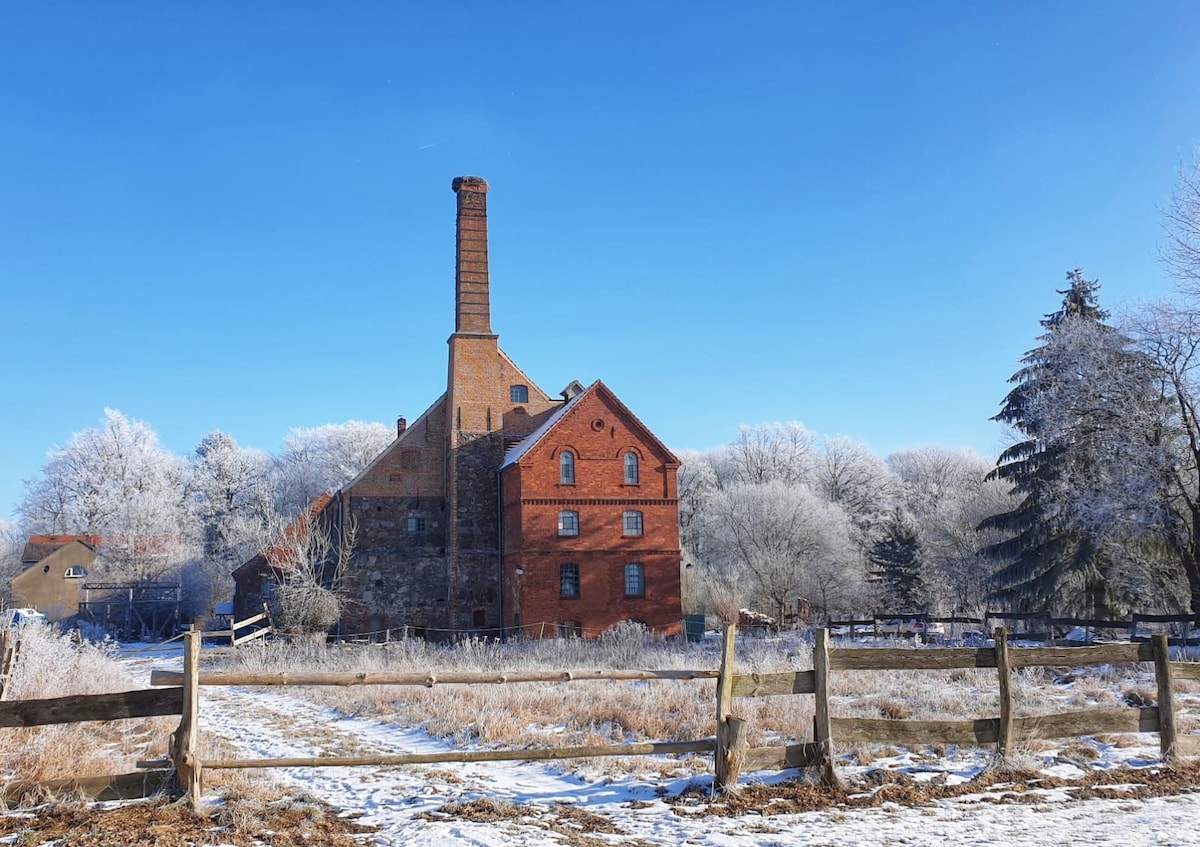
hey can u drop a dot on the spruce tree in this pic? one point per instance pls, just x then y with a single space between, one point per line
1047 559
895 560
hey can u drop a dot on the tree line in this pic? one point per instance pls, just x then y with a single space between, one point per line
191 519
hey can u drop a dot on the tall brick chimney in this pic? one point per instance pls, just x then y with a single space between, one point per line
472 304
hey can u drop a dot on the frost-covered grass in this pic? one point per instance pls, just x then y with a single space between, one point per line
53 665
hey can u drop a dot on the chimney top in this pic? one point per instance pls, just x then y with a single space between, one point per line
401 425
471 183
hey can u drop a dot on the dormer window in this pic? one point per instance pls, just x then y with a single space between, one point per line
75 572
566 468
518 393
631 469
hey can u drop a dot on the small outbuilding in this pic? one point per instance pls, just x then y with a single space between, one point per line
53 569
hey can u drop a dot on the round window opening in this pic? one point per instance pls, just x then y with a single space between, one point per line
598 424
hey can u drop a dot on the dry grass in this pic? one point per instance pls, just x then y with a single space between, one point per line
52 665
567 714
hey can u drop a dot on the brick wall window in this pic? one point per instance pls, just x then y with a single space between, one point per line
631 523
635 580
570 629
414 525
568 580
518 393
631 469
566 468
568 523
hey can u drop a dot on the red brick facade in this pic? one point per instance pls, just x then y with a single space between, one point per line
442 531
615 519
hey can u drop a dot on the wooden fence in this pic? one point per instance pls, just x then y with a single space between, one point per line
729 746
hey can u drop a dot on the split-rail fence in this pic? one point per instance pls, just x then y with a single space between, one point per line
179 693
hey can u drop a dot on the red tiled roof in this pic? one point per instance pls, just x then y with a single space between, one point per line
40 546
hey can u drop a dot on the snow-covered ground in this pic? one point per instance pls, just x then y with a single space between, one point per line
404 802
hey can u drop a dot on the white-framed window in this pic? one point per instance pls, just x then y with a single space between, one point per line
631 523
568 580
568 523
75 572
631 468
635 580
414 525
518 393
566 468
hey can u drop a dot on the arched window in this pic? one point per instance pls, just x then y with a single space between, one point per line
631 469
566 468
518 393
568 523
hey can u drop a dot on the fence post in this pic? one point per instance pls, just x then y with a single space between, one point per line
723 755
1166 699
1004 672
822 725
183 749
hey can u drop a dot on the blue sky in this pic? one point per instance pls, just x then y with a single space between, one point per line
238 216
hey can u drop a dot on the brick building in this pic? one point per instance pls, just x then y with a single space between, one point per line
503 507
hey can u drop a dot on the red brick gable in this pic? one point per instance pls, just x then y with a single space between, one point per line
599 429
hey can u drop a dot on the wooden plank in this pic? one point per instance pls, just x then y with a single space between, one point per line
655 748
1004 726
426 679
186 740
883 731
721 756
126 786
1089 722
781 758
1099 654
822 727
913 659
261 616
1166 699
142 703
1185 670
261 632
768 684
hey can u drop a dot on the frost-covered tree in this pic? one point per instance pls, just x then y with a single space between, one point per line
12 542
1052 554
1169 334
325 458
118 482
1181 221
773 452
778 542
233 508
948 495
847 473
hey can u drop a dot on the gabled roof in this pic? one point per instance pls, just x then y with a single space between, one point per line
517 451
395 445
40 546
514 453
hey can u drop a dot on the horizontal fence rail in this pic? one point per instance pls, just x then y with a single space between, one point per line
145 703
649 748
428 680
